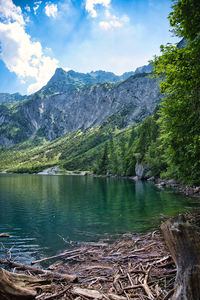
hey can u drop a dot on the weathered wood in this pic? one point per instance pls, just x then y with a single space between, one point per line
4 235
59 255
56 295
14 286
108 273
116 297
183 242
37 271
92 294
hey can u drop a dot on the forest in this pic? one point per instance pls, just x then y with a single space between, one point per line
134 266
168 142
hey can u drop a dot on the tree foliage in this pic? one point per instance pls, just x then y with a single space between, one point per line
138 144
185 18
179 70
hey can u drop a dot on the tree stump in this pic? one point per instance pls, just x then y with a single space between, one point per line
14 286
183 242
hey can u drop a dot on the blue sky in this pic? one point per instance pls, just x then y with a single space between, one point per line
37 36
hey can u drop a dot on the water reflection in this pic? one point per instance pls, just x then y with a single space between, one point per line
35 209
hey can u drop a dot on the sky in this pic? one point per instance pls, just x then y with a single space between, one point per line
38 36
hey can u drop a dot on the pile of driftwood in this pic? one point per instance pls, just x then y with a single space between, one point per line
131 267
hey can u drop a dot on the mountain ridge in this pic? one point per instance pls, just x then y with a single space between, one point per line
62 81
52 116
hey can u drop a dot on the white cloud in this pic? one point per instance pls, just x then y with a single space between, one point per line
37 5
66 69
110 24
51 10
109 21
9 12
90 4
45 69
22 56
27 8
112 21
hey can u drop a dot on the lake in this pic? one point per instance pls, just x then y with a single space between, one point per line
36 209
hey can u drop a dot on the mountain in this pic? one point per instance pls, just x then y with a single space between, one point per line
53 115
144 69
10 98
182 43
63 81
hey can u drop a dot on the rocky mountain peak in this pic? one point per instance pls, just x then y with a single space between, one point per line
59 75
144 69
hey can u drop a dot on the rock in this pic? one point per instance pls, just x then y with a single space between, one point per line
55 114
134 178
197 190
141 171
151 178
171 181
160 185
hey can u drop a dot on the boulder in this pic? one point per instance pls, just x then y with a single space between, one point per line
141 170
134 178
151 178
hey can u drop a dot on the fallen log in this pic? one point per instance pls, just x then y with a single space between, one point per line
16 286
102 275
183 242
37 271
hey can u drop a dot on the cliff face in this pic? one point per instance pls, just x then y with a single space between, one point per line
10 98
54 115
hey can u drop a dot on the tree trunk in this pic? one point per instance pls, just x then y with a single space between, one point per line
13 286
183 242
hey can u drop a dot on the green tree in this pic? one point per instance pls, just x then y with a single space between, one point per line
113 159
147 134
185 18
130 162
132 136
103 163
121 155
179 71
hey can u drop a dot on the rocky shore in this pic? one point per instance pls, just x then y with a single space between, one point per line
188 190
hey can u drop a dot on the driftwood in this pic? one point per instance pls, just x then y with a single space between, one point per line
64 254
37 271
92 294
4 235
183 242
56 295
131 267
16 286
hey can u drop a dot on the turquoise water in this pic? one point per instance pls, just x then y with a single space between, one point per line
35 209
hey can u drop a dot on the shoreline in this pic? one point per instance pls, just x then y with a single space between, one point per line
176 186
135 266
131 267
